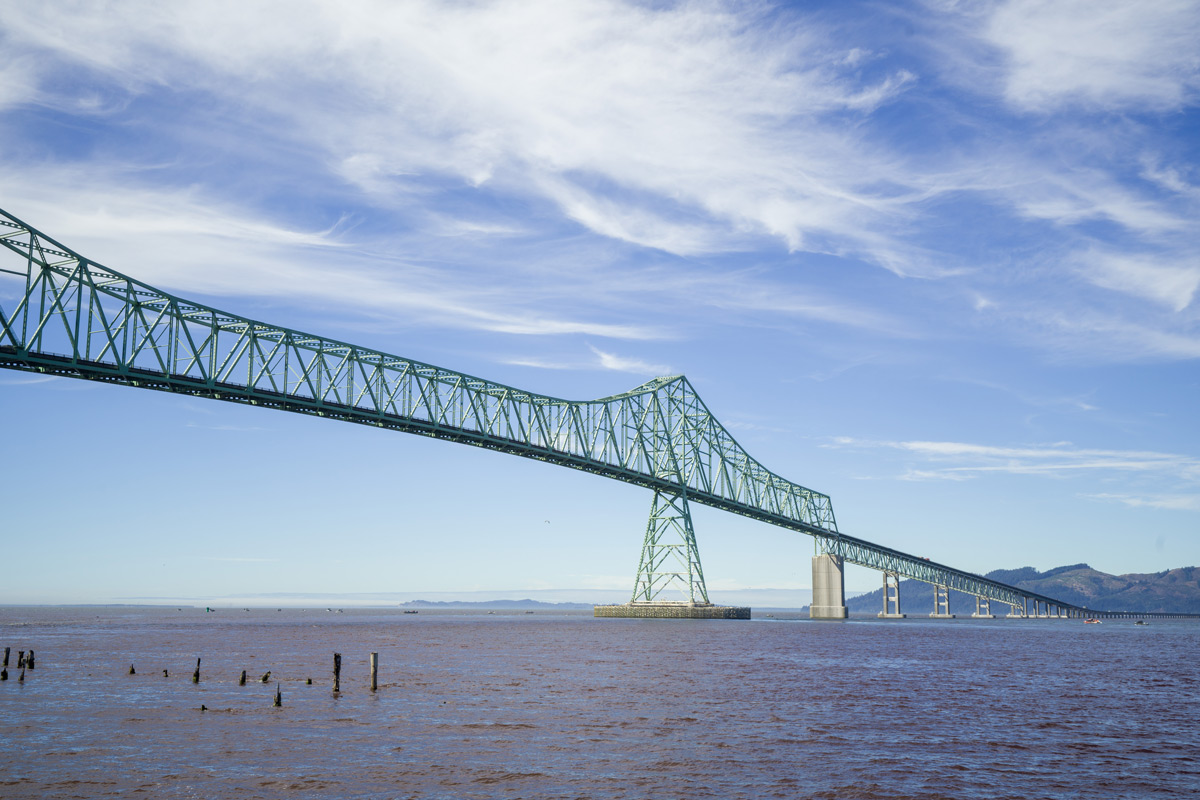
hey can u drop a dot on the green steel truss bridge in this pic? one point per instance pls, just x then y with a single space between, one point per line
62 314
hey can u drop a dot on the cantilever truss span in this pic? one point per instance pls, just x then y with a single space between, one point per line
63 314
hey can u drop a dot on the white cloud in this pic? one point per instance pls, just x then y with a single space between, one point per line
1101 336
1069 197
1168 177
695 129
1181 502
624 364
1170 284
723 128
18 82
960 461
964 460
1106 54
185 241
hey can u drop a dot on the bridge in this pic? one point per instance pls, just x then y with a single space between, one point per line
65 315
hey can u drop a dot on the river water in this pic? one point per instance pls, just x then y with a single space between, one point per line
561 705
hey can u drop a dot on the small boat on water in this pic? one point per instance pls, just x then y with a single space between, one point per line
1091 621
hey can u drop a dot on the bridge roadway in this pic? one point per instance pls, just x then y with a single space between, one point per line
78 319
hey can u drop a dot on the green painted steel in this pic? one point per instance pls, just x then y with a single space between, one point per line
63 314
670 558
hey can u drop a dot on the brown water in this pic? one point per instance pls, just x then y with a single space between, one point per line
558 705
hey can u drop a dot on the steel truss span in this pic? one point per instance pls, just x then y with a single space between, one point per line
62 314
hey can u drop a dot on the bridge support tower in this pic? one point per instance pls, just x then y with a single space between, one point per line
670 559
829 588
983 608
891 597
941 602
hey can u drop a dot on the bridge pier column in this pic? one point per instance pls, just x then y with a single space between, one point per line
829 588
941 602
891 597
983 608
1021 611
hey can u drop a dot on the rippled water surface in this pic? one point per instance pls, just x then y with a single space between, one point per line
560 705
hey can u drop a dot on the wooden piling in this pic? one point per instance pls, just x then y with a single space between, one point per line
242 680
3 673
278 696
6 651
29 660
196 674
132 671
337 672
266 677
20 659
165 675
374 671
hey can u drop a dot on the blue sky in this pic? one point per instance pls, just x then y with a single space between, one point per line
938 260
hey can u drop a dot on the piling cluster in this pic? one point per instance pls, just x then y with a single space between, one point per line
266 677
24 661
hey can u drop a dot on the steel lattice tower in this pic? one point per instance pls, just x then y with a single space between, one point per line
670 558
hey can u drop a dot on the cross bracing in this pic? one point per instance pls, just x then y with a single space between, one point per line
62 314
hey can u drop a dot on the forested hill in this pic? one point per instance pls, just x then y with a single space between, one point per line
1173 591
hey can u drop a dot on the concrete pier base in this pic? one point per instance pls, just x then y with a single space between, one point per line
829 588
671 611
941 602
891 597
983 608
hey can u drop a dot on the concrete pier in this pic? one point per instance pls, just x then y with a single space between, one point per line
983 608
941 602
672 611
891 597
829 588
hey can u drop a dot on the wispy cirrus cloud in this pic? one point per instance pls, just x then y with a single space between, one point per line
1167 502
1100 53
617 363
695 129
685 128
186 240
599 359
959 461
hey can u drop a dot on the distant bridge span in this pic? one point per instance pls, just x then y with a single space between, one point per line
62 314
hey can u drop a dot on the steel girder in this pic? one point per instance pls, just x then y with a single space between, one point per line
63 314
75 317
